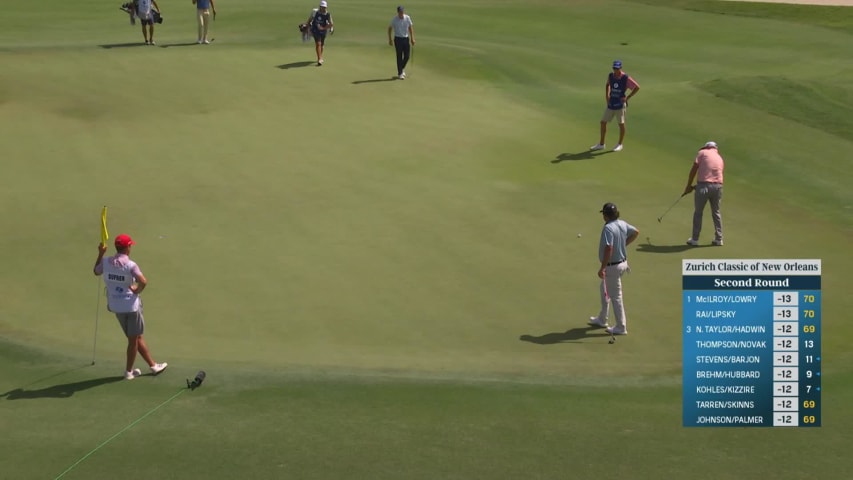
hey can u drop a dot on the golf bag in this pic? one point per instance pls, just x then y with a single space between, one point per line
130 9
305 30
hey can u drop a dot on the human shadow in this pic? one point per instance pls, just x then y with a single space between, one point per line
649 248
54 375
585 155
288 66
185 44
64 390
375 80
123 45
569 336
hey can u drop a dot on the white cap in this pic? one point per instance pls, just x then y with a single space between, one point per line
710 145
324 4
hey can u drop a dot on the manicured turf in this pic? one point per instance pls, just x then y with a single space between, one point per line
384 279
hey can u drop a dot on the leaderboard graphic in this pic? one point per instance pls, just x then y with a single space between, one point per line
751 343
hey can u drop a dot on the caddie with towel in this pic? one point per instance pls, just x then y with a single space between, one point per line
203 10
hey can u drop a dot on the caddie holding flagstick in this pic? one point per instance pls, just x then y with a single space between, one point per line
613 255
125 281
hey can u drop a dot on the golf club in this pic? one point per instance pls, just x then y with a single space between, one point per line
670 207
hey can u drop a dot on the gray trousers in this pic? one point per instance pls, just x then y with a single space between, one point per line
708 193
611 292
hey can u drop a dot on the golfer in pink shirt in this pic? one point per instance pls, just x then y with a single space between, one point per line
708 171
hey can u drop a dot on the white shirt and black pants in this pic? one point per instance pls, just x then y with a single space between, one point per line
401 27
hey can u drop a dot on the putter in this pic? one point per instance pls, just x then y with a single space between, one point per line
670 207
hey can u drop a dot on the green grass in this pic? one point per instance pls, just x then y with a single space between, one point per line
378 276
826 16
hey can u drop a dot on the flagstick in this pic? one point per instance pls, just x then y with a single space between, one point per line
97 312
104 237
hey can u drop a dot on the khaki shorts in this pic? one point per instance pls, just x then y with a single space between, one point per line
132 323
611 114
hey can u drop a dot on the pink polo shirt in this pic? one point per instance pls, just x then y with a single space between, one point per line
710 166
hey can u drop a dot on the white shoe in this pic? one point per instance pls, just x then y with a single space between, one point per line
597 146
319 62
693 243
596 322
159 367
132 374
618 147
199 42
403 76
717 243
206 42
616 330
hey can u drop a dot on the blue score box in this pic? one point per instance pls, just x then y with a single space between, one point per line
751 343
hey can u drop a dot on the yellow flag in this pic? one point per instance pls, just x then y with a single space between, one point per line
104 234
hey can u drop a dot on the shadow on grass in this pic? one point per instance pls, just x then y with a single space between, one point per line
585 155
649 248
569 336
64 390
58 374
288 66
185 44
124 45
375 80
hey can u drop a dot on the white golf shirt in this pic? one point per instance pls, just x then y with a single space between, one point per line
401 25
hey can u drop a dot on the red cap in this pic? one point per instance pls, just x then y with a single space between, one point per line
124 241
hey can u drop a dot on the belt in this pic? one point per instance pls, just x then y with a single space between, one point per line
615 263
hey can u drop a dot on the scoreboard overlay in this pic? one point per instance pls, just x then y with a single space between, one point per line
751 335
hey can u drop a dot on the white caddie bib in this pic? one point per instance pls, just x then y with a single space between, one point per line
118 278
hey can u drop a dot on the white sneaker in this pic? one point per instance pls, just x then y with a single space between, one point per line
206 42
159 367
618 147
319 62
616 330
132 374
717 243
691 242
596 322
597 146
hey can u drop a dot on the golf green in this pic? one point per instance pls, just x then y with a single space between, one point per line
391 279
